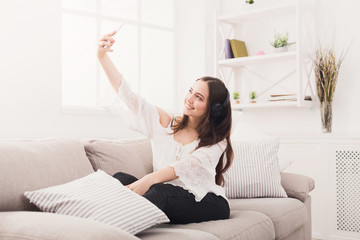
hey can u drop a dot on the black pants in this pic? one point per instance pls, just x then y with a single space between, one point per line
179 205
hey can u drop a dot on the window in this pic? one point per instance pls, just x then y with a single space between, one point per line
143 52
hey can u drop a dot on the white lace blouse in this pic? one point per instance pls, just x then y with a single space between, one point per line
195 169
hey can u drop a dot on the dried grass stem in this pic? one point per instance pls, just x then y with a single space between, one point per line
326 73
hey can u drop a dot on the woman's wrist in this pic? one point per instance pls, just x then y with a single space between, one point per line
163 175
101 56
151 178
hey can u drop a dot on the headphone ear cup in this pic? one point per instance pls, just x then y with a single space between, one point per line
216 109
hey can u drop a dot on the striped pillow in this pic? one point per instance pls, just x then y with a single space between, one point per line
255 169
99 197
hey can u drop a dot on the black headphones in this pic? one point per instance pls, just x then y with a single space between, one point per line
217 108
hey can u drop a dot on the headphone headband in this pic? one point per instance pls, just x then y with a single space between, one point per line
227 99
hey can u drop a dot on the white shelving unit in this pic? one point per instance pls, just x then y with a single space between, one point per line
245 61
298 63
259 14
270 104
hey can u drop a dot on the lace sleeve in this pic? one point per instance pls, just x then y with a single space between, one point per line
140 115
198 170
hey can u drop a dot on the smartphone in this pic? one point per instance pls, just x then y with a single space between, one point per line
122 24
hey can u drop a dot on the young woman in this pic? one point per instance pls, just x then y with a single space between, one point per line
190 152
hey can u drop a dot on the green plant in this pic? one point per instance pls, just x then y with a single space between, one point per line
236 96
249 1
280 40
253 95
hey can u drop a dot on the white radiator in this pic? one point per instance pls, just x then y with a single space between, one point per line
347 177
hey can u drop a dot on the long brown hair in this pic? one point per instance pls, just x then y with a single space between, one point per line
213 129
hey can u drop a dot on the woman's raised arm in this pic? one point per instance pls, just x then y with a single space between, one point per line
134 103
114 76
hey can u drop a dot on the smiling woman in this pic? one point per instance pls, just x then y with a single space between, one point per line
146 39
190 152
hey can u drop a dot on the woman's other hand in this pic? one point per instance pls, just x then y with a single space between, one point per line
107 41
142 185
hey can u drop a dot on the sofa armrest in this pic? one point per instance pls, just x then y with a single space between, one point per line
297 186
50 226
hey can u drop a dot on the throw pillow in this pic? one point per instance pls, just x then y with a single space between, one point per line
100 197
244 131
255 170
133 156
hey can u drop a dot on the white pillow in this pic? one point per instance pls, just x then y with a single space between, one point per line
100 197
255 169
244 131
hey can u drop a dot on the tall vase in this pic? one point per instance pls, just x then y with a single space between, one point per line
326 116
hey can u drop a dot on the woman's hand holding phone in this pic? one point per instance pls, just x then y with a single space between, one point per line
107 41
105 44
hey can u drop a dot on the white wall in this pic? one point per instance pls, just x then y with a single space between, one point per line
30 71
189 44
335 20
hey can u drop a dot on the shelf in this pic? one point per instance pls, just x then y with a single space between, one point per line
271 104
260 14
239 72
267 58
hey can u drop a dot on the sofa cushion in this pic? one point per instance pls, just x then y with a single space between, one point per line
48 226
249 225
133 156
33 164
255 169
287 214
100 197
175 234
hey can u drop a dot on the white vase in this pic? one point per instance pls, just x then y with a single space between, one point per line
281 49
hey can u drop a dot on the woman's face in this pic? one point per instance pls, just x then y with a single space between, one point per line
195 103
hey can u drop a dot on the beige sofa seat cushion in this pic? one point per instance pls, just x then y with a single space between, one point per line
287 214
242 225
133 156
49 226
175 234
33 164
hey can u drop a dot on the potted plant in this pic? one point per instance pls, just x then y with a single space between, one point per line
253 96
249 1
280 42
236 98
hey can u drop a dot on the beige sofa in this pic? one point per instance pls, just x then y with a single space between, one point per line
35 164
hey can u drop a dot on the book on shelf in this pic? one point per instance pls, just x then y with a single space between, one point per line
228 50
286 97
282 97
238 48
283 100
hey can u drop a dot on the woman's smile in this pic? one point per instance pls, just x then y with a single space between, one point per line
188 106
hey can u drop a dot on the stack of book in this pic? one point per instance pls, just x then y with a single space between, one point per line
235 49
282 97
